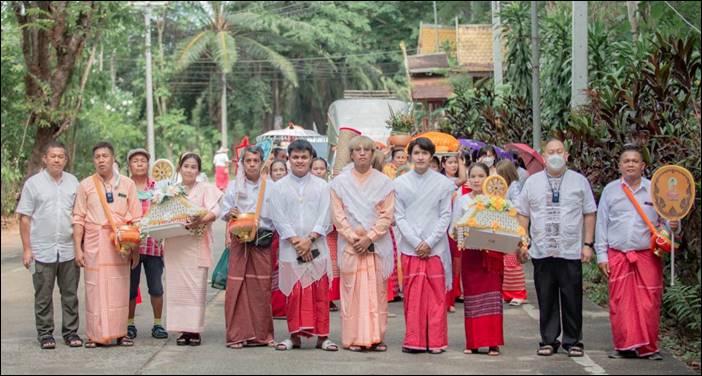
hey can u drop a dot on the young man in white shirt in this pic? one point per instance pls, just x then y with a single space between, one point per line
46 228
560 206
423 214
299 205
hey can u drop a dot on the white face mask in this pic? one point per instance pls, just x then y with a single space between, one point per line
556 162
489 161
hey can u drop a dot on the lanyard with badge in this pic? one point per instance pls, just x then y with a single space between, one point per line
109 196
556 193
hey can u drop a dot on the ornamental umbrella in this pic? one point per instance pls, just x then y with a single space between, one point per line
533 161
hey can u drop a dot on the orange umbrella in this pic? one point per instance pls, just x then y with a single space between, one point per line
444 142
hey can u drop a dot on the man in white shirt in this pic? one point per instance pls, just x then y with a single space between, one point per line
46 228
560 206
299 205
423 214
625 257
247 308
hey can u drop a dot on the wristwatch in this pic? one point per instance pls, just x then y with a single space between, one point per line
591 245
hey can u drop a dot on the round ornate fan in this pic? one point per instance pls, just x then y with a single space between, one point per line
495 186
162 169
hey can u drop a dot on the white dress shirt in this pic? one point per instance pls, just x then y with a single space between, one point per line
49 204
246 203
556 228
423 213
619 225
298 207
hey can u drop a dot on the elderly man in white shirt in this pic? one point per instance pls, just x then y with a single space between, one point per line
46 228
247 308
560 206
299 205
423 214
625 257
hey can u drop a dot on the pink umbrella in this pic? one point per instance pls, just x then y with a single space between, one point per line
533 161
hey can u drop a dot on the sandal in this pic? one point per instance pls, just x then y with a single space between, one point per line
47 342
412 351
355 348
195 340
131 331
90 345
73 340
238 345
494 351
125 341
287 345
183 339
159 332
546 350
327 345
436 351
333 307
470 351
576 352
379 347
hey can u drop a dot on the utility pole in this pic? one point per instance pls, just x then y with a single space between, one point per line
149 87
535 94
579 54
436 29
496 44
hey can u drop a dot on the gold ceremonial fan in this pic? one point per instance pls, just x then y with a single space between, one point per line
162 169
495 186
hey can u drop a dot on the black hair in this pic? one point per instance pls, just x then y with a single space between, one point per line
518 161
486 149
424 144
632 147
189 155
277 151
445 158
323 160
437 160
53 144
395 151
104 145
253 149
302 145
479 165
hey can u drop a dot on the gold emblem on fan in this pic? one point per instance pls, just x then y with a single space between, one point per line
162 169
495 186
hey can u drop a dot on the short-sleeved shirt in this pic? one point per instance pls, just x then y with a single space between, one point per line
49 204
556 227
220 160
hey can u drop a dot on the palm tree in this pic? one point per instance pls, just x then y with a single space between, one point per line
228 35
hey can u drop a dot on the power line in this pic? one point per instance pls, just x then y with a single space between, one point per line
683 18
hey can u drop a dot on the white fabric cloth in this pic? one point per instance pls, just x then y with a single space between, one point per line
298 207
360 201
619 225
556 228
49 204
220 160
246 199
513 191
423 213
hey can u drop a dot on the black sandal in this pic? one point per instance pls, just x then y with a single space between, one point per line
125 341
47 342
379 347
73 340
546 350
195 340
576 351
183 339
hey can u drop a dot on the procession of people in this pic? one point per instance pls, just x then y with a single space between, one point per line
374 233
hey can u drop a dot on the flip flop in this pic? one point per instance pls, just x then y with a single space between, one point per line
286 345
328 345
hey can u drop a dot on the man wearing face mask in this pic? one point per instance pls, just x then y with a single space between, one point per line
561 208
634 272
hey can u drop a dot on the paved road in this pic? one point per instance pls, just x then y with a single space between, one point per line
21 353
